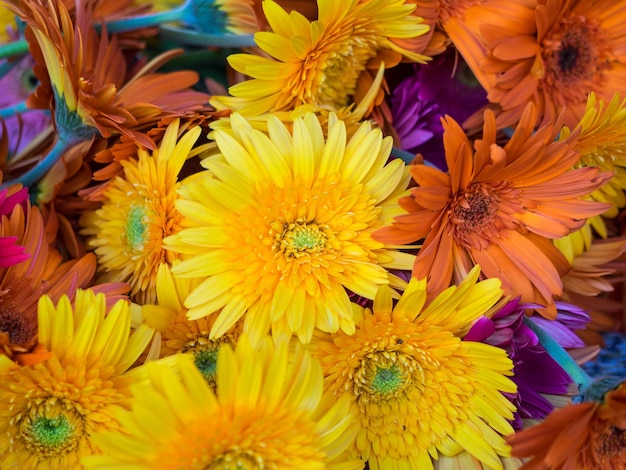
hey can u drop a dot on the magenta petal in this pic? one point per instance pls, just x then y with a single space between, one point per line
481 330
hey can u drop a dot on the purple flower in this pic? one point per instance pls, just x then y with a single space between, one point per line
17 85
535 372
442 87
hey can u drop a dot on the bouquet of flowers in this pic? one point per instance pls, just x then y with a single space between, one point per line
273 234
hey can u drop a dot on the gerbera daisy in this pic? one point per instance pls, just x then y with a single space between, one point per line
589 435
283 226
43 272
139 211
84 75
549 52
535 373
268 412
601 141
320 62
175 333
50 410
499 206
417 388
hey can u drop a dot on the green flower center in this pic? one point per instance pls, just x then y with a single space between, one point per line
300 238
136 227
47 436
51 432
206 362
387 380
235 460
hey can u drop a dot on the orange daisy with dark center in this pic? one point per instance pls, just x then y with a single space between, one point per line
499 207
549 52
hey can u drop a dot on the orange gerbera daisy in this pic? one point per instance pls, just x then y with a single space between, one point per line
23 284
550 52
85 76
588 435
498 207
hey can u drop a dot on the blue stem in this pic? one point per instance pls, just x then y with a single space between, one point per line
196 38
13 110
145 21
37 172
15 48
556 352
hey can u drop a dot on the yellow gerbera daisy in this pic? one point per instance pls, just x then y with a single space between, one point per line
601 142
49 411
320 62
138 212
175 333
284 226
418 388
268 412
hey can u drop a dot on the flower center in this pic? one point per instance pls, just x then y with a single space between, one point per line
136 227
299 238
474 216
387 380
384 374
574 56
236 460
613 444
206 362
15 324
46 436
205 352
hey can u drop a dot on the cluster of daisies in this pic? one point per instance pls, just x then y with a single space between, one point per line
272 234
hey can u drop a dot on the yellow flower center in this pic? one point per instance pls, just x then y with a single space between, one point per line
136 224
236 460
383 375
48 434
300 238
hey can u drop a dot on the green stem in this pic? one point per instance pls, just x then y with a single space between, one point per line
197 38
556 352
145 21
13 110
37 172
15 48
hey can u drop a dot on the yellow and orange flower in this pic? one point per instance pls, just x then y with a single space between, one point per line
499 206
320 62
49 411
552 53
280 226
138 212
419 391
42 273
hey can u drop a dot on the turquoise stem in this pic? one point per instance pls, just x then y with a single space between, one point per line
37 172
11 49
407 157
13 110
145 21
556 352
197 38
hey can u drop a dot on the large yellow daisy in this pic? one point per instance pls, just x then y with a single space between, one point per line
138 212
320 62
283 226
49 411
175 333
419 390
268 411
